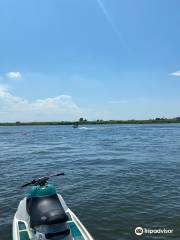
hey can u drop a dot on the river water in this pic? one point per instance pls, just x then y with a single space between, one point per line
117 177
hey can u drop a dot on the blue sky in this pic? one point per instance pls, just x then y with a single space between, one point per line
99 59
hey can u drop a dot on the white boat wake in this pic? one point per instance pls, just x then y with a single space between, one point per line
86 128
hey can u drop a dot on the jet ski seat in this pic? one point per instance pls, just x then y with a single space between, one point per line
46 210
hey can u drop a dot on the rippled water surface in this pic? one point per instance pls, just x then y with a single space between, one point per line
117 177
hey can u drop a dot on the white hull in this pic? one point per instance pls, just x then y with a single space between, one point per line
22 230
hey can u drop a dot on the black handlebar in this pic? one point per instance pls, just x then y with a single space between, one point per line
42 180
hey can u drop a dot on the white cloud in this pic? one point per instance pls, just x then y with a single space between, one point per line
14 75
13 108
3 90
177 73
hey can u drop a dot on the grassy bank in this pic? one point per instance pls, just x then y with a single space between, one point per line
85 122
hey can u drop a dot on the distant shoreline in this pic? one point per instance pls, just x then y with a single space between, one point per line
85 122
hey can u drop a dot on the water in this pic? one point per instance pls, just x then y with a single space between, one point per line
117 177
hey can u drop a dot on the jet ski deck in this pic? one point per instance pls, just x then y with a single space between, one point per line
40 216
21 231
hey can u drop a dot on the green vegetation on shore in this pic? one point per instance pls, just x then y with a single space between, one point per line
84 121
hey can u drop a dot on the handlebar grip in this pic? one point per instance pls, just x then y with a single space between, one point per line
27 184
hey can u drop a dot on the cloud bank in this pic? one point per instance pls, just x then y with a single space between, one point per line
13 108
176 74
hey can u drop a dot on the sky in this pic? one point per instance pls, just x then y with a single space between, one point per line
96 59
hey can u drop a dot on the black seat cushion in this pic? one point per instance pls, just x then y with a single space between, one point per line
45 210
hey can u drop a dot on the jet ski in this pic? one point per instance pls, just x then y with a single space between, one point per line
76 125
44 215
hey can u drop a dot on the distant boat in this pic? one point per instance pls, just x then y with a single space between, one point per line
76 125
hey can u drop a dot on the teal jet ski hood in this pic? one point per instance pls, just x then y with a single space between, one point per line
41 191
